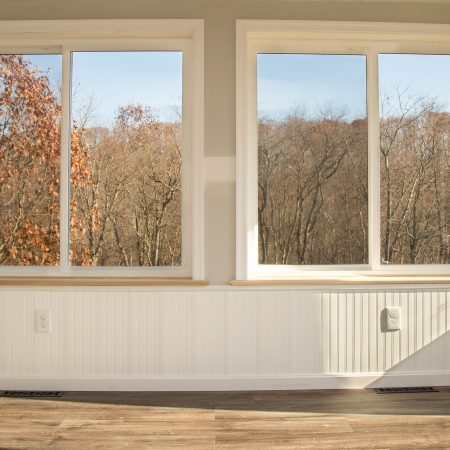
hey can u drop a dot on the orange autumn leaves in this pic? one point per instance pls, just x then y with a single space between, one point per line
125 181
30 165
128 207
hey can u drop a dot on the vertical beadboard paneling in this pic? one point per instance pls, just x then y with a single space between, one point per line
388 337
334 332
442 324
304 323
22 329
403 333
177 334
358 326
395 340
380 349
221 332
365 332
411 324
209 333
274 347
242 333
342 325
350 328
372 324
325 350
419 346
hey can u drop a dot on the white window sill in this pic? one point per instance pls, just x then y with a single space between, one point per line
98 281
319 280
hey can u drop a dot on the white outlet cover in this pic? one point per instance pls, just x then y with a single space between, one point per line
393 318
42 321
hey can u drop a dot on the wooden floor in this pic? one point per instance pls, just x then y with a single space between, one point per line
233 420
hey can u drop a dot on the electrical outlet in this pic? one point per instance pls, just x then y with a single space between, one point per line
393 318
43 321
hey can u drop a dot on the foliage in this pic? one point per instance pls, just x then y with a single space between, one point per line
415 182
127 207
313 191
313 195
125 204
29 165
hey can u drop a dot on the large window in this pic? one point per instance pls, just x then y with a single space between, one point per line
343 150
126 159
30 136
100 147
414 158
312 159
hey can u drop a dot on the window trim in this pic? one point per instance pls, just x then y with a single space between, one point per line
279 36
66 36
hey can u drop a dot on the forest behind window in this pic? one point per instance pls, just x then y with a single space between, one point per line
29 159
126 159
313 159
414 158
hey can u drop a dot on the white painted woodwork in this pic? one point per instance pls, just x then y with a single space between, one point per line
67 36
221 333
318 37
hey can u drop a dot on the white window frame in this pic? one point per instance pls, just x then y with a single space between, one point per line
67 36
369 39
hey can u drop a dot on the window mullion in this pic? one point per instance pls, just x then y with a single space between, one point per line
373 112
65 160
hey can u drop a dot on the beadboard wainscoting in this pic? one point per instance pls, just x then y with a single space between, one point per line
222 338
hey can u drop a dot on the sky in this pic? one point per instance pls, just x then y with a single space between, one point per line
316 83
421 74
312 83
286 82
51 64
114 79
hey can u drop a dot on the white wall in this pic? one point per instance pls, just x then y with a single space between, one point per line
220 17
222 337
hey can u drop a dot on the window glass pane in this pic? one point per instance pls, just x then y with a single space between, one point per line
126 159
29 159
312 152
415 170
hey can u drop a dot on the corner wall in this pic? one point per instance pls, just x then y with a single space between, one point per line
220 106
222 337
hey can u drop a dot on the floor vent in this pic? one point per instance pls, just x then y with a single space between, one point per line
32 394
405 390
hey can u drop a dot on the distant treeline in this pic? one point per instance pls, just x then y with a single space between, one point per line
313 188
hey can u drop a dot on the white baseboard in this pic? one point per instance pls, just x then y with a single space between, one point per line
301 382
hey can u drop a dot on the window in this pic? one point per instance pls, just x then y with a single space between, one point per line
343 149
101 143
312 159
126 159
30 109
414 158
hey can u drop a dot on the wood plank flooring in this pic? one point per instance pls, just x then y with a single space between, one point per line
356 419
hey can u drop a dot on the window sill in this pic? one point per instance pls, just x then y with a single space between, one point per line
346 280
97 281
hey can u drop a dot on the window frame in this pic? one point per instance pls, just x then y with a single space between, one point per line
66 36
318 37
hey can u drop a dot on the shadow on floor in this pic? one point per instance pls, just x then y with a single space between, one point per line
364 401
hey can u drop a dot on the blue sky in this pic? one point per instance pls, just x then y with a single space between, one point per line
115 79
422 74
50 63
312 83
